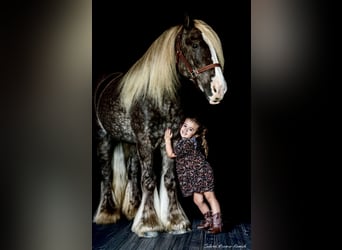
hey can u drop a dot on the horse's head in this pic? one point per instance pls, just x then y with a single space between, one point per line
200 59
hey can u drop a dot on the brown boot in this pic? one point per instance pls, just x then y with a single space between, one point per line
217 224
207 222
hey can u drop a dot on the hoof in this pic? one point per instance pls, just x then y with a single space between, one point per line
106 218
181 231
150 234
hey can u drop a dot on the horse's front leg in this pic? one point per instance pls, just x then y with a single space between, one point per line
173 216
146 222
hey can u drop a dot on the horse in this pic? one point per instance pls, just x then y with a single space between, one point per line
132 111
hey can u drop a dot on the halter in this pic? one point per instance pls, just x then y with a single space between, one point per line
193 72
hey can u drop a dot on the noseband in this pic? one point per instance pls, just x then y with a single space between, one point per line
193 71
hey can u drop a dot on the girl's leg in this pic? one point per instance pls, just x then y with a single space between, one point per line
213 202
203 207
216 213
200 203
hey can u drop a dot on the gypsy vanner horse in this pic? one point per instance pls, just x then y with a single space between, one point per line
133 110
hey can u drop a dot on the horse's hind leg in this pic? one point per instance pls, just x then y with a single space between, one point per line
132 197
147 220
109 207
173 216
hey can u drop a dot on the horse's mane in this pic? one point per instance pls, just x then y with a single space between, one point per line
154 75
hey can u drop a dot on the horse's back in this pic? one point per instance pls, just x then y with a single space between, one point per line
107 84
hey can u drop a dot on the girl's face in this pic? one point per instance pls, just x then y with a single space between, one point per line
188 129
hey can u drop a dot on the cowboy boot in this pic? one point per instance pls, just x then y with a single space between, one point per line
207 222
216 225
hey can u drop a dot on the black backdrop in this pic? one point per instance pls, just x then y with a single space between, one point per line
123 32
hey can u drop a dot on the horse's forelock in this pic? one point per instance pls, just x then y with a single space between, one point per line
213 38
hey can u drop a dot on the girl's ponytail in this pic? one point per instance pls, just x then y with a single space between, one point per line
204 142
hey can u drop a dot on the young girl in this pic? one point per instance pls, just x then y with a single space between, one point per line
194 173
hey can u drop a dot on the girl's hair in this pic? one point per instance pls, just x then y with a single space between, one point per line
201 131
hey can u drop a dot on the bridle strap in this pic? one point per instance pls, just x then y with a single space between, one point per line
205 68
193 72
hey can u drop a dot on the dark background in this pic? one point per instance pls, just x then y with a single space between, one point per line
120 37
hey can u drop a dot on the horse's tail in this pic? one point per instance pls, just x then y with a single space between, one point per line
120 178
99 89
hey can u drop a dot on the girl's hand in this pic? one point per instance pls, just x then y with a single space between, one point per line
168 143
168 134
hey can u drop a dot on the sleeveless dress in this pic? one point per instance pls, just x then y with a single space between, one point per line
193 171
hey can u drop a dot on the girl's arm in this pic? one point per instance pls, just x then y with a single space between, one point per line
168 143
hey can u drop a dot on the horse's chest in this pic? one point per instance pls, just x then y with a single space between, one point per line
149 120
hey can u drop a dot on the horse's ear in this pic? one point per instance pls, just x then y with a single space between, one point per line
188 22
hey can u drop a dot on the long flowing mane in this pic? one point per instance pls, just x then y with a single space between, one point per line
154 75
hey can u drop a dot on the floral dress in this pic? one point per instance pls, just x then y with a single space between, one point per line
193 171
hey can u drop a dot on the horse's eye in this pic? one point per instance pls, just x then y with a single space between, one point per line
194 45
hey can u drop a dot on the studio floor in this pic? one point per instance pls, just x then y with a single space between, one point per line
120 236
